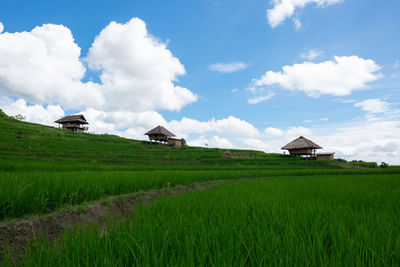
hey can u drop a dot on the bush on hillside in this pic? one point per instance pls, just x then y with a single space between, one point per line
383 165
2 114
19 117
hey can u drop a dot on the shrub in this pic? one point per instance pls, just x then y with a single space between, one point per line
19 117
184 142
383 165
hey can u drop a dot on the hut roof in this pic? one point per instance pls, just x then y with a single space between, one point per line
160 130
300 143
73 118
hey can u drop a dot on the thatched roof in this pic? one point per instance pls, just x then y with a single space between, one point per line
159 130
300 143
73 118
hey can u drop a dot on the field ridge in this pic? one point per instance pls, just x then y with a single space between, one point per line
20 234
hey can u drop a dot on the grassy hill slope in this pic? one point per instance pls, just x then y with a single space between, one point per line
28 146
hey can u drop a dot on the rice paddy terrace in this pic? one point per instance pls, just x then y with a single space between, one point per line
81 199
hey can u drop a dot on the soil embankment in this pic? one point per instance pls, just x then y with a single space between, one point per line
16 236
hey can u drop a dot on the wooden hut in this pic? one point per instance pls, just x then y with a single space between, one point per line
325 156
177 143
302 146
74 123
159 134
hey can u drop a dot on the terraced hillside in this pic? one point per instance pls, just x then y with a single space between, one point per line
27 146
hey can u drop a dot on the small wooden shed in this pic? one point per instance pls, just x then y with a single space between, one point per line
159 134
177 143
325 156
302 146
73 122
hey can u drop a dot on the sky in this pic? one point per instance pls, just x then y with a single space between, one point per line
230 74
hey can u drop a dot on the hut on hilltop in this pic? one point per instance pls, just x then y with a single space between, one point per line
302 146
74 123
159 134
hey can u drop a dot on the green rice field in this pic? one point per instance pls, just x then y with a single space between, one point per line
267 209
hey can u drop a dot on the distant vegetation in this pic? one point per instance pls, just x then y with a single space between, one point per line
361 163
306 213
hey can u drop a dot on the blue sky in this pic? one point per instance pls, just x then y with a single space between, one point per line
202 33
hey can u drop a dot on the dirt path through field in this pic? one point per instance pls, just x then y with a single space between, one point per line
19 235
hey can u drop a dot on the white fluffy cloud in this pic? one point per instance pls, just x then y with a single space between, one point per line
137 71
273 131
298 131
228 67
1 27
373 106
282 9
43 66
32 113
290 132
337 77
230 126
215 141
234 126
259 99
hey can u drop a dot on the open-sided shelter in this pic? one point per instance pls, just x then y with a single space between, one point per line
302 146
74 123
159 134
